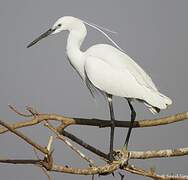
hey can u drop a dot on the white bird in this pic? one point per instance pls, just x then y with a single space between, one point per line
109 70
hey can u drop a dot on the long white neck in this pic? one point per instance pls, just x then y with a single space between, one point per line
74 42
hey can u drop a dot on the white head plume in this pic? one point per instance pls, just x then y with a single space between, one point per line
101 30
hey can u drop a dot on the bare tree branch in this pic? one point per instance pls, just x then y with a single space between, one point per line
84 144
66 121
101 170
19 113
121 158
25 138
39 165
152 174
158 153
20 161
70 145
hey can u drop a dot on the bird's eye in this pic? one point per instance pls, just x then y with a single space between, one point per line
59 25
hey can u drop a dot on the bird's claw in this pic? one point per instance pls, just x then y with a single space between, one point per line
122 156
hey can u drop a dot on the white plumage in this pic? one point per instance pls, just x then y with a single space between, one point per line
108 69
114 72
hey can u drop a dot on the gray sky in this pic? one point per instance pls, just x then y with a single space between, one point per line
153 33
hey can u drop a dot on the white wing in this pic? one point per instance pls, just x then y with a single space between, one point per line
120 82
122 61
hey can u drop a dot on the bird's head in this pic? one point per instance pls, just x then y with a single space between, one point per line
64 23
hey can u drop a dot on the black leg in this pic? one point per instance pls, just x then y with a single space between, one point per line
112 117
133 117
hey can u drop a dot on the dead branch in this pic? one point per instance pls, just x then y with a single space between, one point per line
85 145
158 153
152 174
66 121
121 160
25 138
70 145
19 113
101 170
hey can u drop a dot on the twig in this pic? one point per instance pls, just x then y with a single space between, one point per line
20 161
106 169
32 111
40 166
69 144
46 173
48 156
19 113
49 145
36 120
25 138
158 153
85 145
153 175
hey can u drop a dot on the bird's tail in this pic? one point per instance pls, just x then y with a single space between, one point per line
156 101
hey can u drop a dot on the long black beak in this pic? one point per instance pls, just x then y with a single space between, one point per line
47 33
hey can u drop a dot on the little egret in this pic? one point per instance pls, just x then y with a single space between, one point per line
109 70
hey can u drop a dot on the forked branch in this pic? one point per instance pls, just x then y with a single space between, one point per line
121 160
